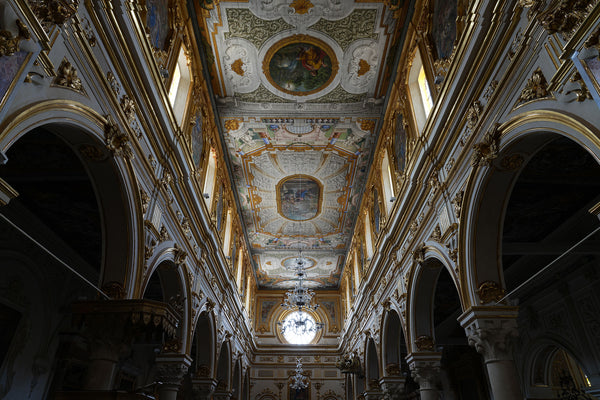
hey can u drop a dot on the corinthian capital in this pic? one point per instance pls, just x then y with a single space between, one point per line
170 369
491 331
425 369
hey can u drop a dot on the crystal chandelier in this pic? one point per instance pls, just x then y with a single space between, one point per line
299 381
300 297
300 323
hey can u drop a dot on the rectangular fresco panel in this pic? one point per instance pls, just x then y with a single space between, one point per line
10 67
157 21
299 198
444 27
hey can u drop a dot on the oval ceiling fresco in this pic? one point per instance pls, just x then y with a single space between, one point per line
300 65
299 198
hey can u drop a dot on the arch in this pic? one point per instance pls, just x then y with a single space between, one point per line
393 344
540 368
421 291
236 385
371 362
82 129
167 282
488 189
245 395
204 346
224 374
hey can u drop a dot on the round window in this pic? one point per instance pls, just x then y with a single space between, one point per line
299 328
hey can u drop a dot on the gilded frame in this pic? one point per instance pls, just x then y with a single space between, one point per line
300 39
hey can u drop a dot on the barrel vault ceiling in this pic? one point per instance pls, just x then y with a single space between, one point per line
299 87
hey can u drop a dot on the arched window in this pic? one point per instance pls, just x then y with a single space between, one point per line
181 80
209 179
240 265
387 182
420 93
368 236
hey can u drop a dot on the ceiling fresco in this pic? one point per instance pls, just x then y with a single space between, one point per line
298 88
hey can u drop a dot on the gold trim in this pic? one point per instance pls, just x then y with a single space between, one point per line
7 192
300 39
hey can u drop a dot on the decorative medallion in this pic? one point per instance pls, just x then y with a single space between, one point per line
300 65
301 6
299 198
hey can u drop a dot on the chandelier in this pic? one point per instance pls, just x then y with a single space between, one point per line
299 381
300 323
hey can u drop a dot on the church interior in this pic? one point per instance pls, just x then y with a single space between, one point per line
300 199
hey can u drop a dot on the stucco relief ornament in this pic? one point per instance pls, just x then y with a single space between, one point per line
490 292
116 141
349 363
425 343
66 76
9 44
54 11
536 88
487 150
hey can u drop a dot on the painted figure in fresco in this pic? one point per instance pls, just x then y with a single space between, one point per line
312 59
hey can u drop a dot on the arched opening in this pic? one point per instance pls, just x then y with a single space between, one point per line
462 369
547 213
436 308
555 374
236 386
71 202
372 364
224 369
246 386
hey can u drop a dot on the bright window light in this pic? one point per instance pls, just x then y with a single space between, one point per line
425 93
174 84
300 328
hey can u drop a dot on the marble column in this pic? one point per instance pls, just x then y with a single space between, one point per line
425 370
491 331
170 369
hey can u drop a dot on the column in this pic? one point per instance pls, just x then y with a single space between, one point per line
203 387
392 386
491 330
425 370
170 371
222 392
373 391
